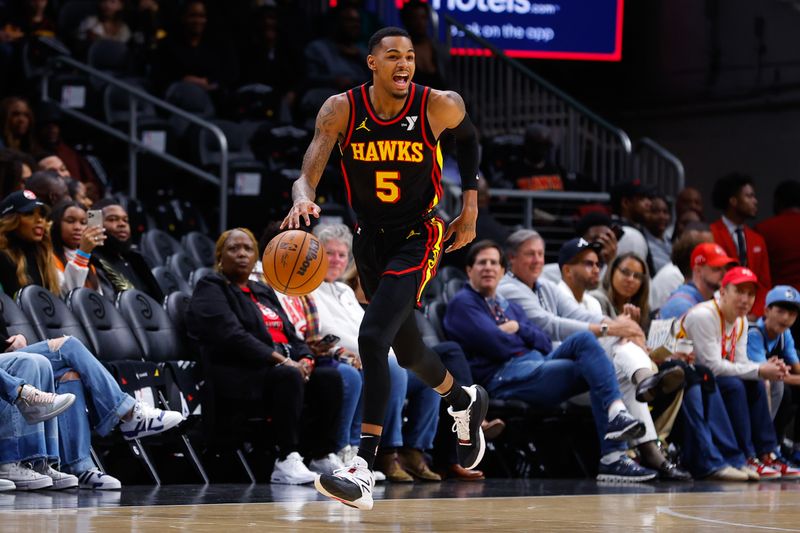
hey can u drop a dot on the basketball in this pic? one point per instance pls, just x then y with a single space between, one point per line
294 262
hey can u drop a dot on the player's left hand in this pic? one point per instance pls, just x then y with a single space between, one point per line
463 226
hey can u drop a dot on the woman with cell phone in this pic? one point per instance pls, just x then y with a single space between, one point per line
75 234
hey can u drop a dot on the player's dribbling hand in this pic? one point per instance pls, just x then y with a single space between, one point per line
301 208
463 226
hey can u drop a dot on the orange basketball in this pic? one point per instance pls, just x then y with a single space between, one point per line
294 262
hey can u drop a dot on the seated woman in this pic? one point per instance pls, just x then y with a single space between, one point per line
26 388
340 314
73 242
626 289
252 349
26 257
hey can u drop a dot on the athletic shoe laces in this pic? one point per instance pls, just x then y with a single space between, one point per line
461 425
33 396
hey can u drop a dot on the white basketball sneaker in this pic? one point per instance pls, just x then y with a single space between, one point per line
351 485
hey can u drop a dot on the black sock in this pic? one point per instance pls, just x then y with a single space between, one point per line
368 447
457 397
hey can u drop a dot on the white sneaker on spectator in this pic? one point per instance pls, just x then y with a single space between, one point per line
37 406
326 465
61 480
147 420
291 471
94 479
24 477
378 476
347 453
6 484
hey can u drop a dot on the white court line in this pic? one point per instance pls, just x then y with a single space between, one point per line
670 512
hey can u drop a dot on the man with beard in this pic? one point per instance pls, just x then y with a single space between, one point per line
118 265
580 265
630 203
708 263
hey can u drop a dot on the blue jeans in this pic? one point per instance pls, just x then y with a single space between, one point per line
350 425
9 386
107 403
20 441
748 411
709 443
422 413
577 365
392 436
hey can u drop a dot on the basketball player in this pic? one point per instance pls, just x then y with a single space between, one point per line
388 131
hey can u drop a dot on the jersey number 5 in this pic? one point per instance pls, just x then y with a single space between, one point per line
386 189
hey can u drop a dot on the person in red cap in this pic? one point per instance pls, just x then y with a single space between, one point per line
718 329
708 262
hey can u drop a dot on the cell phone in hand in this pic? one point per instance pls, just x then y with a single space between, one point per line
95 217
329 339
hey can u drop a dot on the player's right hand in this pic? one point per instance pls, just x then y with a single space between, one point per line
301 208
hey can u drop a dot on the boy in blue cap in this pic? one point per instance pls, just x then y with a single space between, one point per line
771 337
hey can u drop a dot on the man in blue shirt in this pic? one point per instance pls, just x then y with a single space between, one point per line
708 263
512 358
771 337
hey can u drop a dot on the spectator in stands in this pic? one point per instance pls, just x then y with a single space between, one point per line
735 196
718 330
76 371
678 270
431 59
190 54
514 359
340 314
73 244
48 186
630 204
338 61
370 22
537 172
107 23
781 235
117 263
252 346
626 289
580 264
689 199
26 387
55 153
10 173
655 226
78 192
683 221
27 251
16 119
146 19
708 264
770 337
270 60
35 18
559 316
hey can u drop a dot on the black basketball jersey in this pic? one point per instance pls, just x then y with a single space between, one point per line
392 168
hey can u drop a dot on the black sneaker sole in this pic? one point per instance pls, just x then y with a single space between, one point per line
668 382
332 487
614 478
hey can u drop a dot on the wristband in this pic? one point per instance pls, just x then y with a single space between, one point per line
285 360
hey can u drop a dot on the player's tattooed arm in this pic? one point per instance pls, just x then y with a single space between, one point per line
330 127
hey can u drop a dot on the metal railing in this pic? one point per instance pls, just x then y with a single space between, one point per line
504 96
656 166
131 137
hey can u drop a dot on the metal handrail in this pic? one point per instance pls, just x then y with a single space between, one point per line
652 161
134 144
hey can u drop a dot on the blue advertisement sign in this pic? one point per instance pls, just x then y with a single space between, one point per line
560 29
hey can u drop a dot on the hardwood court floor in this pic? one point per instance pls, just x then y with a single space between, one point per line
581 506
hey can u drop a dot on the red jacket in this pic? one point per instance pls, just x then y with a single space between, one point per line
783 242
757 259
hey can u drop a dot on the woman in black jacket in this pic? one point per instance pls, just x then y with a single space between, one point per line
253 354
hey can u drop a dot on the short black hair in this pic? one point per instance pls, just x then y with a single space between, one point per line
728 186
480 246
591 219
786 306
389 31
107 202
787 194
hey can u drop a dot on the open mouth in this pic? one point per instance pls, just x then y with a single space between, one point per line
401 80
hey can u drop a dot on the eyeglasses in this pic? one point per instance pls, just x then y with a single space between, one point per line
628 273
